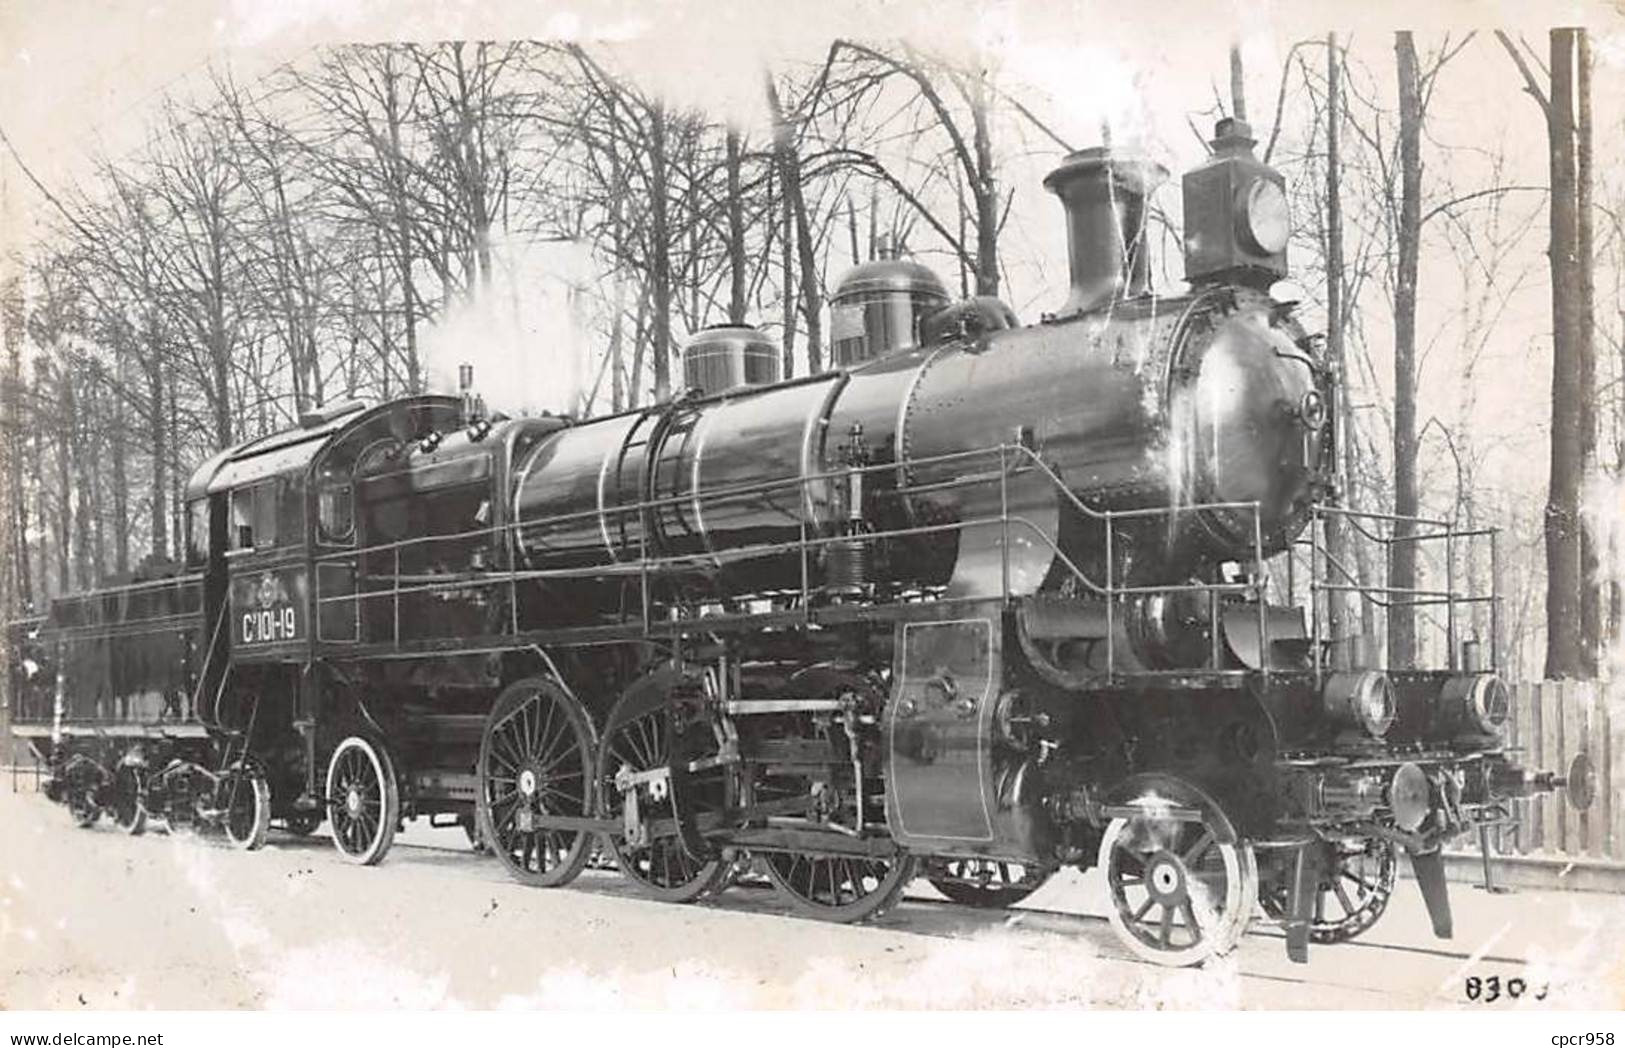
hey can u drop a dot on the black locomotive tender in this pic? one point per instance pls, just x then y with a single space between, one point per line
982 601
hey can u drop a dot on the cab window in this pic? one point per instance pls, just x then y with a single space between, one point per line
253 516
335 509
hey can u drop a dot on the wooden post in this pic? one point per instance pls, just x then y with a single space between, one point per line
1551 752
1575 822
1534 752
1614 779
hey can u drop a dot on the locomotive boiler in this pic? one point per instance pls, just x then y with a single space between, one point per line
983 600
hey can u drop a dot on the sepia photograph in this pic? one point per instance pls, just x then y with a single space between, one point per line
874 506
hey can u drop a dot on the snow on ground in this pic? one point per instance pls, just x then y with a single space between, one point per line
94 919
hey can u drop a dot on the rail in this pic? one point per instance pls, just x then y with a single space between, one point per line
632 560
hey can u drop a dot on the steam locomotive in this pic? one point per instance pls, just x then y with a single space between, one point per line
981 601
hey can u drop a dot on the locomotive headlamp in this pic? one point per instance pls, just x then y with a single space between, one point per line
1360 700
1312 409
1264 221
1236 217
1410 797
1479 702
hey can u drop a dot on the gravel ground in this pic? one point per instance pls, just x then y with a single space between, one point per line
94 919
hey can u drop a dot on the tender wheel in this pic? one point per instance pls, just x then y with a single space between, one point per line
303 823
1181 891
844 888
536 759
636 740
990 884
363 800
129 806
246 798
1354 889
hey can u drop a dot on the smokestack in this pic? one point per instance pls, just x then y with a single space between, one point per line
1106 196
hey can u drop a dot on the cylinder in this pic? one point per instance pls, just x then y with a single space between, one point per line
1106 197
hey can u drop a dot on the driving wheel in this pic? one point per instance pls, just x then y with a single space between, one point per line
536 759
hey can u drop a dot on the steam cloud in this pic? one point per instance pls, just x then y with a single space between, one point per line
530 333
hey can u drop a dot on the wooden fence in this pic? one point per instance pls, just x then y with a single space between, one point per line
1551 722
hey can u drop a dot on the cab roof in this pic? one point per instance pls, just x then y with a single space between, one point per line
291 450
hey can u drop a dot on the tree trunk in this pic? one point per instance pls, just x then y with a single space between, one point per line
160 451
90 467
874 222
986 192
1337 545
784 149
64 481
617 341
1402 553
738 263
1590 591
639 346
11 300
77 476
787 283
177 526
660 251
119 452
963 214
403 228
1238 84
1565 655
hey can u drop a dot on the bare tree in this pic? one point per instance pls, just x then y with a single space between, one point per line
1572 631
787 156
1402 551
19 574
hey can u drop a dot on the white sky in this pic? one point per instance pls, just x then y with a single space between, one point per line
74 72
77 77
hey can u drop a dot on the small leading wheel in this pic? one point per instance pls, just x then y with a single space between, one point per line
844 888
1355 885
636 740
990 884
536 757
1181 890
363 800
129 807
302 823
246 799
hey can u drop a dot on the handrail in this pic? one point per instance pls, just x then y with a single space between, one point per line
789 484
203 672
1325 567
1012 459
743 553
168 581
759 549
